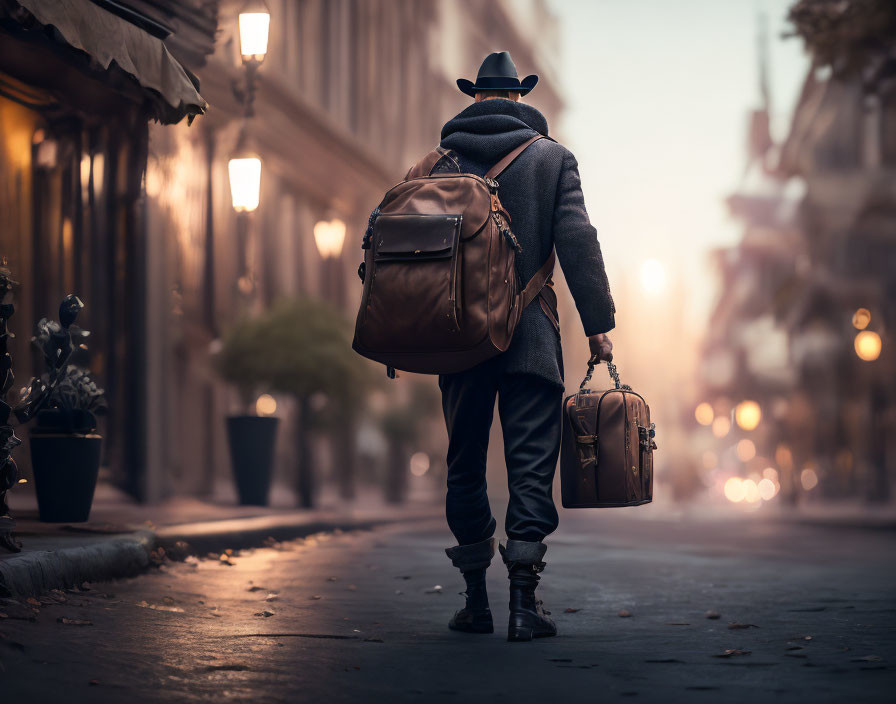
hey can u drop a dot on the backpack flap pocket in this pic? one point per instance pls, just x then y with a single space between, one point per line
415 236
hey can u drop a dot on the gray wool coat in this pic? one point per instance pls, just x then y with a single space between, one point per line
542 193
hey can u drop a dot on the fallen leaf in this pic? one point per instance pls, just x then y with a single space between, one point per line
315 597
713 615
256 589
739 626
437 589
624 613
730 653
571 611
272 597
266 614
159 607
74 621
31 600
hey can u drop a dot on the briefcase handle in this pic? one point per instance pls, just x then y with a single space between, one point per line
611 368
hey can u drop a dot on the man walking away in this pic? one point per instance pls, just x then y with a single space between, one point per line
542 193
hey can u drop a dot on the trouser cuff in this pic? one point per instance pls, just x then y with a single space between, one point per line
523 552
472 557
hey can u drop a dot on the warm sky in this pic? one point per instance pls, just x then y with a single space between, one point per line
658 95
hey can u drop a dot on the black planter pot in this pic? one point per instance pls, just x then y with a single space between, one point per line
65 470
252 441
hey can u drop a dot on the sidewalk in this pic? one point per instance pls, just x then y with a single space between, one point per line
122 537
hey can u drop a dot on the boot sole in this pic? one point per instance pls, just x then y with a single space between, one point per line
520 635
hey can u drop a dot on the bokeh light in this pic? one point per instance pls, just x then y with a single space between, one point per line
809 479
746 450
266 405
720 426
710 459
767 489
704 414
748 414
419 464
751 491
868 345
734 489
653 276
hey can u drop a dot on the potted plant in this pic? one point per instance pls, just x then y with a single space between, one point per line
64 400
241 361
66 448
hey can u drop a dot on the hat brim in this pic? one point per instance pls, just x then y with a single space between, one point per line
469 88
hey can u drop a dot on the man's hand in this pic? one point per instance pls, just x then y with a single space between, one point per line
601 347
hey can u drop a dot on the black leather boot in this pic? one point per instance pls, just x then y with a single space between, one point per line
472 561
528 619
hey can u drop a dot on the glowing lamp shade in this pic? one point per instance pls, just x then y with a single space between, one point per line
245 182
329 236
747 414
255 23
861 318
868 345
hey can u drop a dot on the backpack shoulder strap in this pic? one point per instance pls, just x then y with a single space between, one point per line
537 282
508 159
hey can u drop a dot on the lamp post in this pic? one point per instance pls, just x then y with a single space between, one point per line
244 166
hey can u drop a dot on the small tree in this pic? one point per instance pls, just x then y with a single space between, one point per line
402 425
243 360
301 348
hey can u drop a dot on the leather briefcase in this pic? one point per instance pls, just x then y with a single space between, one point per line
607 449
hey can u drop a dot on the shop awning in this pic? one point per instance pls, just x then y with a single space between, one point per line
108 38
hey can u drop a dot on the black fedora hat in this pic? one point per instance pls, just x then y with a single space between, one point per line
497 72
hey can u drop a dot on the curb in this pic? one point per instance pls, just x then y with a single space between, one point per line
32 573
242 533
128 554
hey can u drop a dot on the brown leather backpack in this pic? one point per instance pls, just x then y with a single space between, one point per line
441 289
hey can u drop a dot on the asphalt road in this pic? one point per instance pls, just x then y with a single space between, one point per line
358 618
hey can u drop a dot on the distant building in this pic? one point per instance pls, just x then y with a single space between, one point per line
803 324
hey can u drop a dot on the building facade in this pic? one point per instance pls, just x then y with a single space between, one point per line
350 94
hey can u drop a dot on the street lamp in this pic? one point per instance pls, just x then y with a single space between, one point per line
329 236
868 345
254 23
244 169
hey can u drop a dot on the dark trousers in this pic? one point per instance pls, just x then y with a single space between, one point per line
529 408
